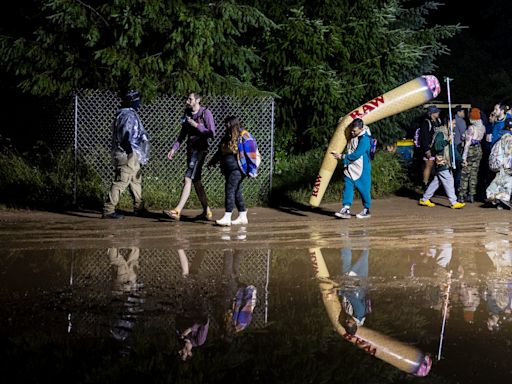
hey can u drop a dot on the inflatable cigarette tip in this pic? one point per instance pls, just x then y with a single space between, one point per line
433 85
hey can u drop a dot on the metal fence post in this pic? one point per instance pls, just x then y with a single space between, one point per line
75 149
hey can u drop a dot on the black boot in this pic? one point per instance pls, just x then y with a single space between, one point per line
471 199
462 199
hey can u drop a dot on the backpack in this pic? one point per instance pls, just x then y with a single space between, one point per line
373 147
243 307
496 157
417 142
248 165
443 158
417 138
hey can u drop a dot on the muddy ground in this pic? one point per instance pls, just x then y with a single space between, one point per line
396 222
37 280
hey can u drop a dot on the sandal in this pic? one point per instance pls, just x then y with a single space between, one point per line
208 215
172 214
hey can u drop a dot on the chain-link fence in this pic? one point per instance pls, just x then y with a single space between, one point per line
159 273
89 133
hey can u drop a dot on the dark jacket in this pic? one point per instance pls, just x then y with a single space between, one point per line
427 130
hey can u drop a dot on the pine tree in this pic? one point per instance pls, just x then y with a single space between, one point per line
157 46
322 59
328 58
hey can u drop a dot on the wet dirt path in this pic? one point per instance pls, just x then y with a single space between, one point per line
61 269
396 222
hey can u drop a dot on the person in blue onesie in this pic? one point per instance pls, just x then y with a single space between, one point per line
357 170
354 291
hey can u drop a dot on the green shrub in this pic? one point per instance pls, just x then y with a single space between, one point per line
389 174
20 182
41 178
294 177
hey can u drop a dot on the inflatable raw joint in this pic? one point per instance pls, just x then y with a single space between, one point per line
409 95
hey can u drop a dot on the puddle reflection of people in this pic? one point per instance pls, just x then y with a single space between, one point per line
241 234
354 300
435 260
243 307
498 293
401 355
436 263
499 303
500 253
192 322
126 287
192 329
239 298
469 296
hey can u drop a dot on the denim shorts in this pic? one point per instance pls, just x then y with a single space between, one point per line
195 162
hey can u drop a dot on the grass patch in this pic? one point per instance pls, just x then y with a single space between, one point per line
45 179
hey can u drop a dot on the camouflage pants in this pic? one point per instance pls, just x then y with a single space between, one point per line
469 175
127 175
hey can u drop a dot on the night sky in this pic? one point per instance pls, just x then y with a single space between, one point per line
480 63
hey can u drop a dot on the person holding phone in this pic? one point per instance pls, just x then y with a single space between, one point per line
357 170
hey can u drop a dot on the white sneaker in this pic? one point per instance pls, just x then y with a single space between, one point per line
364 214
241 219
344 213
225 221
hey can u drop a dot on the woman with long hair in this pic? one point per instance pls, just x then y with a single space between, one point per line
228 156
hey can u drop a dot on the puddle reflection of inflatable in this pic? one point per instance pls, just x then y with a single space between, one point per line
401 355
498 291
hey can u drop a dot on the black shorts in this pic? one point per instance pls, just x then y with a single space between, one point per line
195 162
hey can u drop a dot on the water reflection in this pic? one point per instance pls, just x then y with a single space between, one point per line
354 289
239 312
240 297
401 355
498 290
233 233
469 294
233 302
192 318
127 291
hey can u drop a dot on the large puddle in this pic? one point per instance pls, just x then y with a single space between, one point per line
351 314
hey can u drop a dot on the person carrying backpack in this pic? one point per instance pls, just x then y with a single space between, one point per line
442 150
239 158
426 135
357 170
